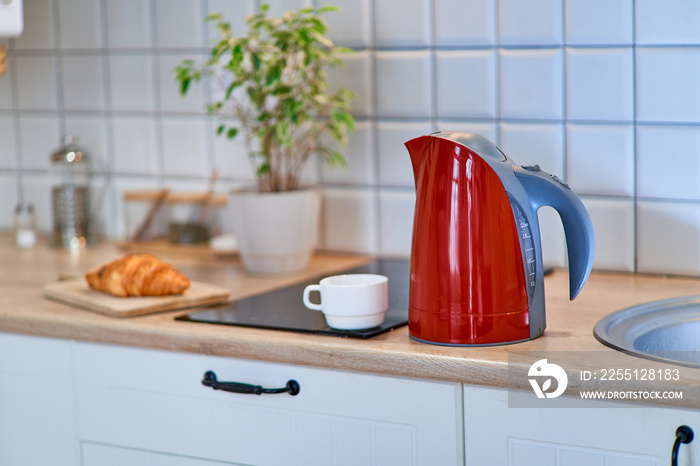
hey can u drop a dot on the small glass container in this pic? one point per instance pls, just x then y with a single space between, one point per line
25 226
71 175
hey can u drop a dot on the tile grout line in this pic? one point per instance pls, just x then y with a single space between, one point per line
17 127
110 196
496 39
376 172
58 63
158 120
207 97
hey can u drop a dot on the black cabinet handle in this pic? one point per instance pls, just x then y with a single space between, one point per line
236 387
684 434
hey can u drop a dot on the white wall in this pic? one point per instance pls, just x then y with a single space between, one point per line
605 94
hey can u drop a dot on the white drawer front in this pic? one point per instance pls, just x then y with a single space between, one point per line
614 435
154 400
36 410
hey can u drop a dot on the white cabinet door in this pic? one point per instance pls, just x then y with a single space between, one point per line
617 435
36 410
154 401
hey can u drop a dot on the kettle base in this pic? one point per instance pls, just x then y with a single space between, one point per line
440 343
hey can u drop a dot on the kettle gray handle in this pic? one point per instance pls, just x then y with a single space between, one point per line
544 189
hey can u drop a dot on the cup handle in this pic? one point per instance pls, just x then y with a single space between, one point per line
307 301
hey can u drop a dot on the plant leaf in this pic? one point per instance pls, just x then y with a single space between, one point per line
263 168
214 17
328 8
184 86
338 158
281 90
231 133
273 75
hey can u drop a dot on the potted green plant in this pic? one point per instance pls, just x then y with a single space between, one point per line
274 91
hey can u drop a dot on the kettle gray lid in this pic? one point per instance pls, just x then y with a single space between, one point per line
475 143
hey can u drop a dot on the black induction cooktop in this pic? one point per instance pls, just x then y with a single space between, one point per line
282 309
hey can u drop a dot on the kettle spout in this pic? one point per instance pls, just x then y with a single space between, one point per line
417 149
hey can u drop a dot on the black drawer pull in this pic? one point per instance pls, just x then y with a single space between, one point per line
684 434
236 387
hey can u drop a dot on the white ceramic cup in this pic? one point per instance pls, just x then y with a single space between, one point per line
351 302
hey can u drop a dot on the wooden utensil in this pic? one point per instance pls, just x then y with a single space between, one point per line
161 195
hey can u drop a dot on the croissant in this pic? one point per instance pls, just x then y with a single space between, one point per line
137 275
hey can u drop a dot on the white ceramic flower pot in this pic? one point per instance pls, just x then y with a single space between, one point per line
277 232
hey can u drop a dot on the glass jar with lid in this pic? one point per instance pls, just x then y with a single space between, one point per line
71 177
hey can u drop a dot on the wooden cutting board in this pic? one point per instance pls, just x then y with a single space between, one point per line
76 292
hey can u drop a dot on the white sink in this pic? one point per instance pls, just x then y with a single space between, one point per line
667 331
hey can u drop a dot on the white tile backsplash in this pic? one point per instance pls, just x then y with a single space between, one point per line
673 22
352 26
129 24
600 84
169 90
356 75
8 192
184 146
8 147
131 83
6 89
39 137
401 23
135 145
529 144
396 222
349 219
531 83
231 157
36 188
235 13
80 25
359 157
552 237
668 165
599 22
530 22
600 159
667 84
613 223
83 83
395 167
668 237
465 22
179 23
278 7
404 84
36 83
565 84
466 84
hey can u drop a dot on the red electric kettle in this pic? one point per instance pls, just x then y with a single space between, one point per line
476 259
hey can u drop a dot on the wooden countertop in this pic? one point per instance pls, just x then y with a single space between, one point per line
569 323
